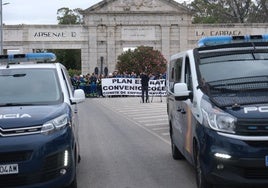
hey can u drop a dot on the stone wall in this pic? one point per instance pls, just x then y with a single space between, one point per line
102 42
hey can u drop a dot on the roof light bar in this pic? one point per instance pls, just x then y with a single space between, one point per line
226 39
17 58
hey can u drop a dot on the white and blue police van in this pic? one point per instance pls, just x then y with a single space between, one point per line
38 123
217 105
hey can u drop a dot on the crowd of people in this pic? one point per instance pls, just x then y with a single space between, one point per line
91 83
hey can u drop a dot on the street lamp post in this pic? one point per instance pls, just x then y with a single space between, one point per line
101 69
1 25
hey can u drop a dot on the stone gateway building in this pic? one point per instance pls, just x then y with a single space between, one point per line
112 26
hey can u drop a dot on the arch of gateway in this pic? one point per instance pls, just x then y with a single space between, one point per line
111 26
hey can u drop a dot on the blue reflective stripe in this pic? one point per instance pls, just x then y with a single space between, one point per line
265 37
40 56
217 40
214 40
16 58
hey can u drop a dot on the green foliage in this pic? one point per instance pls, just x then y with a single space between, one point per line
143 58
227 11
260 12
70 58
68 16
73 72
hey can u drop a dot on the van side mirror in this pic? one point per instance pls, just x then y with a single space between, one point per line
181 92
79 96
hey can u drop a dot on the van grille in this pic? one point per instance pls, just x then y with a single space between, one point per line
256 173
50 170
252 127
12 157
20 131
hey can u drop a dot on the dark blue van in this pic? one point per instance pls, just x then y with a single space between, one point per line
38 123
217 105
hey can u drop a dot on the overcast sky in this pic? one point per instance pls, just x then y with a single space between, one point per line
40 11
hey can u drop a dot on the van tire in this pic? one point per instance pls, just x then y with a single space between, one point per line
201 180
176 154
74 183
76 159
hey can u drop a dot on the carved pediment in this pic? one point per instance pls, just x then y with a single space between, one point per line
138 6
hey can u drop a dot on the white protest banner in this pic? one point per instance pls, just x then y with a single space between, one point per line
131 87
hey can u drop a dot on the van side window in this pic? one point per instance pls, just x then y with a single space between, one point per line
178 68
188 74
67 80
175 73
172 73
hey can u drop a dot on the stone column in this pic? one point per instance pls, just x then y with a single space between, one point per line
92 50
183 38
165 41
85 59
111 51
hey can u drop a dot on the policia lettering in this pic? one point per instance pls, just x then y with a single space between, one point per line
254 108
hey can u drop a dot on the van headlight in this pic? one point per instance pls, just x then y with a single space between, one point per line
217 119
55 124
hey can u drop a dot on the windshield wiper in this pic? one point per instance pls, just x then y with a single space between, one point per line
14 75
222 88
16 104
240 84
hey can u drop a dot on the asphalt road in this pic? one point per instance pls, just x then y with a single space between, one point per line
125 144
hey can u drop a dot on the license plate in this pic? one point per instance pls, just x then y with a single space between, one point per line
9 169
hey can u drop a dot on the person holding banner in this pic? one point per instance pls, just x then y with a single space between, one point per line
144 86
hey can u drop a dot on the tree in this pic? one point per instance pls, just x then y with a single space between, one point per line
68 16
70 58
143 58
222 11
260 13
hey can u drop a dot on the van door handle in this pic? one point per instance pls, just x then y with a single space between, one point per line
183 111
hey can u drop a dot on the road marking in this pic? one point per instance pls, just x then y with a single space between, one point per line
150 117
165 134
150 120
160 128
145 113
156 124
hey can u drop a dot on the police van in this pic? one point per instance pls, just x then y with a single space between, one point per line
217 105
38 123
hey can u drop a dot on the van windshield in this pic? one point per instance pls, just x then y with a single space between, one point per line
233 66
235 78
29 87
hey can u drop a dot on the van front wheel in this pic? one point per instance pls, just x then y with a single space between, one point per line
73 184
176 154
201 181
